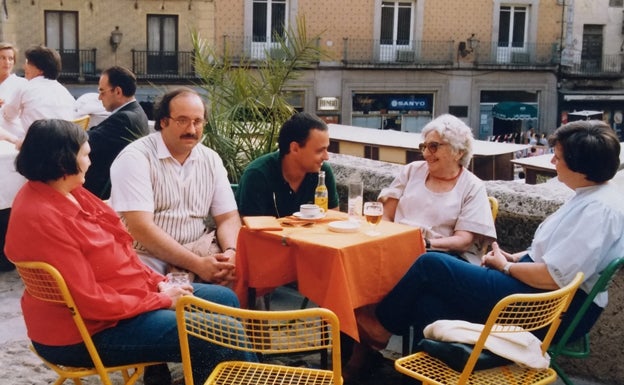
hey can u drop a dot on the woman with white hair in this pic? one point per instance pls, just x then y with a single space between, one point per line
440 195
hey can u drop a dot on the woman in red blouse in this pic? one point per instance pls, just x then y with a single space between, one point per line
126 307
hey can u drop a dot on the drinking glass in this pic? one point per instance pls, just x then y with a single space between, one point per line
178 278
373 212
354 206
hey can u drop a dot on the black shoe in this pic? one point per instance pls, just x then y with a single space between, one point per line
157 375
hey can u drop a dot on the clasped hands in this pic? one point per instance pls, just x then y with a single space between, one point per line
497 258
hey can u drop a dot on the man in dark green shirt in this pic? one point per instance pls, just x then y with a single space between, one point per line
279 182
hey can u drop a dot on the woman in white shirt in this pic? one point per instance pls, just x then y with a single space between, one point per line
43 97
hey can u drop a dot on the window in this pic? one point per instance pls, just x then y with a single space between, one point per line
512 26
371 152
396 30
268 25
591 54
61 33
269 20
396 22
162 44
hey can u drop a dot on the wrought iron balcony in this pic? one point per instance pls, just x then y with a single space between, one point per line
163 65
601 66
394 53
524 55
78 64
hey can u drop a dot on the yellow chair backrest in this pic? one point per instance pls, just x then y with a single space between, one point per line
493 206
45 283
512 314
266 332
83 121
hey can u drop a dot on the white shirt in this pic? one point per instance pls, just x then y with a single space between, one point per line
10 88
585 234
40 98
439 215
146 177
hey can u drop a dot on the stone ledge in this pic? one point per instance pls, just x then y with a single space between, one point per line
522 208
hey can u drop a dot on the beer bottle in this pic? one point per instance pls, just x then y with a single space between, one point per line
320 194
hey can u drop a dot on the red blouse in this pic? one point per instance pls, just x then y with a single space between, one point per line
92 250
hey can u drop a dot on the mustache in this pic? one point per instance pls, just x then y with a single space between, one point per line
189 136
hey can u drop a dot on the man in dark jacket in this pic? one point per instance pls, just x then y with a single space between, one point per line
126 123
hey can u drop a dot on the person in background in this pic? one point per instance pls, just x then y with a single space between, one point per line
279 182
438 286
42 97
126 123
127 307
167 184
10 86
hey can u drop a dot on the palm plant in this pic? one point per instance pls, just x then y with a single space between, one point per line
246 98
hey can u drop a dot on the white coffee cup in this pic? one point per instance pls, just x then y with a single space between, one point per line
310 211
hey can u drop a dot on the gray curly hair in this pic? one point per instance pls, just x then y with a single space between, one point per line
455 132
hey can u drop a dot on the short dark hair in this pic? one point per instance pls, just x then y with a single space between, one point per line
297 129
46 59
162 110
123 78
49 150
589 147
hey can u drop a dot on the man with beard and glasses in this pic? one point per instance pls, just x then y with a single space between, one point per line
166 186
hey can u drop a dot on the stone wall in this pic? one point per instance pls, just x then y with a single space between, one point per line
522 208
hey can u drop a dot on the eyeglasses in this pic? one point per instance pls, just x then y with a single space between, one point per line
431 146
183 121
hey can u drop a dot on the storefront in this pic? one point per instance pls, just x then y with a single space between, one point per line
408 112
610 103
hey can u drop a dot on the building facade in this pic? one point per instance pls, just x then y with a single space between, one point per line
592 71
391 64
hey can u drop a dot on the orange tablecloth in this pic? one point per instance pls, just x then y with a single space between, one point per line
338 271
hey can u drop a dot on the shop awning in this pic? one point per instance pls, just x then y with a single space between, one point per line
514 111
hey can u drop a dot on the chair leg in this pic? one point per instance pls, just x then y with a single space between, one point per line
561 373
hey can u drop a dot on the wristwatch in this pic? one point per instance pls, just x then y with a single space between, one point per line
506 268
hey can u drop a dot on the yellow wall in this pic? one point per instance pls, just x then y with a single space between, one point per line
97 18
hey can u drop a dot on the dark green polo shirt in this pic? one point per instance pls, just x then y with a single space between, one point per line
262 190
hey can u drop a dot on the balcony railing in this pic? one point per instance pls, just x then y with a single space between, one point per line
518 55
78 64
606 65
401 53
163 65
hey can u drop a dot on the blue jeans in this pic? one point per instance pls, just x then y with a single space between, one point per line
439 286
152 336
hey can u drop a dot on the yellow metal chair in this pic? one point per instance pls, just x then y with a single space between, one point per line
526 311
83 121
45 283
493 206
262 332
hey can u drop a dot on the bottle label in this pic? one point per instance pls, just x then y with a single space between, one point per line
320 197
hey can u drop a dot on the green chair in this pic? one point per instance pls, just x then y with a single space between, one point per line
580 348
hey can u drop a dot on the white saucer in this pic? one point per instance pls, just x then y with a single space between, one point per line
344 226
298 215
